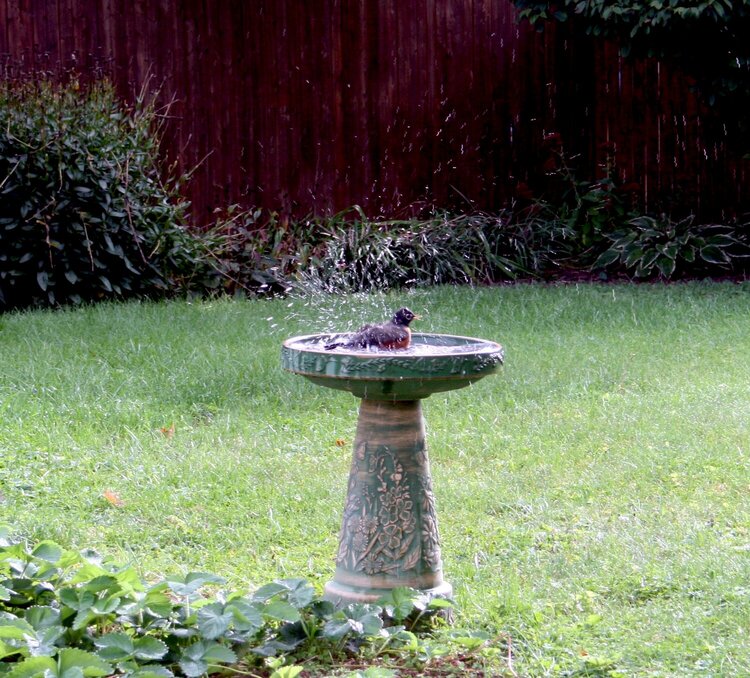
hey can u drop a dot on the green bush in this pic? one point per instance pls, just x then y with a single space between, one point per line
652 247
260 253
349 252
85 214
362 254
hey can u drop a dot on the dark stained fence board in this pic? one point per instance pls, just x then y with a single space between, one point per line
317 105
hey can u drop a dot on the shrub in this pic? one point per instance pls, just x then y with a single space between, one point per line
666 248
84 212
257 252
349 252
360 254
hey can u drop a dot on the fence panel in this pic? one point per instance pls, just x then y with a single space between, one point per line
316 105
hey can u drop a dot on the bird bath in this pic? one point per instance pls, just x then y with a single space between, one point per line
389 534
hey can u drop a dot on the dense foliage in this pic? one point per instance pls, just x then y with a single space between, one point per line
67 615
706 38
582 228
85 213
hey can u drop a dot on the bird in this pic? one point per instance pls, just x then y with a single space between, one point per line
394 334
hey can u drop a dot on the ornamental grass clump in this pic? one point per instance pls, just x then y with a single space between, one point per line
85 211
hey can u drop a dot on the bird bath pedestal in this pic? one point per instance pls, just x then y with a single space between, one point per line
389 532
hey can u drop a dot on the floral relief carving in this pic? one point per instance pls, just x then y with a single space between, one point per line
389 525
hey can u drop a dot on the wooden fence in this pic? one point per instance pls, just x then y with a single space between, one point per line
316 105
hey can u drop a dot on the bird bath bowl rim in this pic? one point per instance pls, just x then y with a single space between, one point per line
396 374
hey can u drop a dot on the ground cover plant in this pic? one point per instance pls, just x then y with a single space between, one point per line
593 498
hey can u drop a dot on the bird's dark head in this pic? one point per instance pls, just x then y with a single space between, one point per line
404 316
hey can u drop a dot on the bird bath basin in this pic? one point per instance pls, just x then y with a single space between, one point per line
389 534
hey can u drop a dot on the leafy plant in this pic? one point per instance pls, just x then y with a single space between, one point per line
258 252
362 254
261 253
85 213
584 211
68 615
667 248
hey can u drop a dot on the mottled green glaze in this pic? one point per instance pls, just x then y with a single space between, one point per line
389 531
394 375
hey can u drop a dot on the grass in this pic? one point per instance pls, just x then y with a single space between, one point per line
594 497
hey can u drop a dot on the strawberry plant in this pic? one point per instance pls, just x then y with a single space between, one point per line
66 615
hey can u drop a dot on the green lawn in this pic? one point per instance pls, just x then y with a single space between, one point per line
594 497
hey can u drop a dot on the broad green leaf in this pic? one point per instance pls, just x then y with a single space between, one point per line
282 611
301 592
666 266
193 668
89 571
106 605
151 672
374 672
204 578
670 250
41 617
648 260
42 280
76 600
103 582
33 667
713 255
339 627
91 665
219 654
192 582
606 258
268 591
8 650
287 672
71 672
399 603
15 629
47 550
440 604
371 624
45 641
246 616
83 619
470 641
196 658
5 536
213 621
632 255
114 646
722 240
150 648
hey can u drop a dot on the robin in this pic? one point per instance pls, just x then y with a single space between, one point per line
391 335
